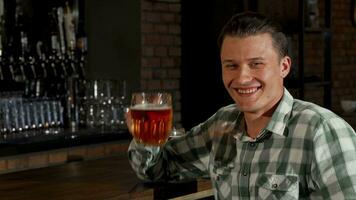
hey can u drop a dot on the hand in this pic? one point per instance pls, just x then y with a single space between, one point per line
128 120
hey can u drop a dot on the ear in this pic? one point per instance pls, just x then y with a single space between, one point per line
285 66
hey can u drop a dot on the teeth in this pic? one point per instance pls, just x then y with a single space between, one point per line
247 91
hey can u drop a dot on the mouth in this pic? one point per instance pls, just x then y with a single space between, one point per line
247 91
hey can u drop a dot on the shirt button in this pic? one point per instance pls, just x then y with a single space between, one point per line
252 144
244 173
274 186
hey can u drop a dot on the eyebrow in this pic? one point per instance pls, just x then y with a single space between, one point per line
249 59
255 58
227 61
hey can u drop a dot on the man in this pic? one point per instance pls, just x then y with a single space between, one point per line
267 145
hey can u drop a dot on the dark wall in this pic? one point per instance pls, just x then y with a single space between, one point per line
114 43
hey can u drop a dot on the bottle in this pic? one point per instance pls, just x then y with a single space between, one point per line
20 44
69 27
72 109
6 66
39 67
25 60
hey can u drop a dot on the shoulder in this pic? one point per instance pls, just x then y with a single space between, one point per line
225 115
228 110
311 110
317 119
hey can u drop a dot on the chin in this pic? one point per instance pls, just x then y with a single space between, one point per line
244 107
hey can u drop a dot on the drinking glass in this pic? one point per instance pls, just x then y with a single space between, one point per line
151 117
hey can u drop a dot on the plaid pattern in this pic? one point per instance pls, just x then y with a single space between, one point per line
305 152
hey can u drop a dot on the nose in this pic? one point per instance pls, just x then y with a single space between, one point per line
243 75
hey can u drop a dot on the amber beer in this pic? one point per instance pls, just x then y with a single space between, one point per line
151 116
151 124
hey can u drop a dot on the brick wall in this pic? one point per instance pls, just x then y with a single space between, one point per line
344 53
161 49
343 56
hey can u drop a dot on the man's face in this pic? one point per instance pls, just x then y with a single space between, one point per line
253 72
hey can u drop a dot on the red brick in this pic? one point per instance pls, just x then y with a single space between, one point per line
166 39
143 84
146 5
160 7
177 95
151 17
177 61
171 84
174 73
160 51
150 62
178 18
157 39
161 28
168 17
174 51
167 62
175 8
175 29
147 28
146 73
177 40
154 84
147 51
159 74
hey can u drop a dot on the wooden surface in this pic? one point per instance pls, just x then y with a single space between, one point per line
101 179
109 178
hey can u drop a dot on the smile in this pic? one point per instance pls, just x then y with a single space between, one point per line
247 91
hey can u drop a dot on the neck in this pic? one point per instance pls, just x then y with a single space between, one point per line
256 122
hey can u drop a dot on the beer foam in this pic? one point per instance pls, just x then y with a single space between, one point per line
150 107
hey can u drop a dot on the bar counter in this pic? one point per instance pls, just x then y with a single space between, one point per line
40 148
43 140
105 178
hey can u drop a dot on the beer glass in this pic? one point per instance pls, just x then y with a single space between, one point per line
151 115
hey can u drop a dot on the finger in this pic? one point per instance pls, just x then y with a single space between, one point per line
128 118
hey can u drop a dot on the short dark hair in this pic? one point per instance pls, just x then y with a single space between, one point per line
250 24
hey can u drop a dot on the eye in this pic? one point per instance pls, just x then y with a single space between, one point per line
256 64
230 66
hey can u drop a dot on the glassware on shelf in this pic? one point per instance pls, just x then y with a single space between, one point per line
104 104
19 114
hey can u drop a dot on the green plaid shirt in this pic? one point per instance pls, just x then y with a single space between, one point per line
305 152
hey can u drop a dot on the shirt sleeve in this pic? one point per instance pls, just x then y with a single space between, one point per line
334 163
182 158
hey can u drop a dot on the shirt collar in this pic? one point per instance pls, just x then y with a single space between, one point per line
281 115
277 124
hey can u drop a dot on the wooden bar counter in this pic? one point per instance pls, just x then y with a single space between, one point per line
100 179
107 178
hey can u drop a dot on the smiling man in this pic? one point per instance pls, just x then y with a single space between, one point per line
267 145
253 72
